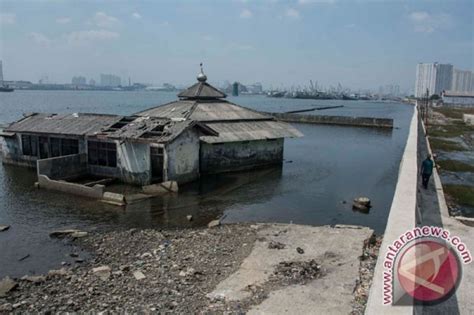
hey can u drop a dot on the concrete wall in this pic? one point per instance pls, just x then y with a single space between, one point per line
12 154
402 217
63 167
96 192
182 162
234 156
336 120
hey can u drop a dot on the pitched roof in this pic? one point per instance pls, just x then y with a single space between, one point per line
204 111
250 130
65 124
201 90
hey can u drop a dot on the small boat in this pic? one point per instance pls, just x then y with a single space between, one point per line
6 88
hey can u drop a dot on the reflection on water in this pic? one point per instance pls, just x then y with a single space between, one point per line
329 165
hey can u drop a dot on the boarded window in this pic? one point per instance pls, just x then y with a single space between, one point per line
29 145
102 153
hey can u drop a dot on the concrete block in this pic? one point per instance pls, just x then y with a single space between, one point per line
162 188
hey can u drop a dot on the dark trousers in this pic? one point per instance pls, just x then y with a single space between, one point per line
425 178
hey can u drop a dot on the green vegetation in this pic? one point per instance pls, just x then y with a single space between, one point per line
444 145
455 113
455 166
463 195
457 129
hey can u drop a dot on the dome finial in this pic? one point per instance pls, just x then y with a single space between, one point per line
201 76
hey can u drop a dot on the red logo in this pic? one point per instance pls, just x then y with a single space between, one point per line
429 271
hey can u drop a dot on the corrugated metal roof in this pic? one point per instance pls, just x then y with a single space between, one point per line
178 109
66 124
251 130
204 110
223 110
201 90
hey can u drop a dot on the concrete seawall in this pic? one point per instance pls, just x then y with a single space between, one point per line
402 217
335 120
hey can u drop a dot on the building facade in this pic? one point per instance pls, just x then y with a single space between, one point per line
463 81
433 77
110 80
200 133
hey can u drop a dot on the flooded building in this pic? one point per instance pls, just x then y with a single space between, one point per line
200 133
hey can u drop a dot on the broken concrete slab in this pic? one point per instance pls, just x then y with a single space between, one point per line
7 285
4 227
332 293
139 275
113 198
103 272
161 188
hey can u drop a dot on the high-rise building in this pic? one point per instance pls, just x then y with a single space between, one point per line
79 80
433 77
463 81
110 80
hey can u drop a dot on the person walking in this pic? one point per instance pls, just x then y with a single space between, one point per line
426 170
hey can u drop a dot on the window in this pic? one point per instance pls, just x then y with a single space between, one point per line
102 153
55 144
69 146
29 145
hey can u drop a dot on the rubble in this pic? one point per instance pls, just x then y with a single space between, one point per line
145 271
368 260
296 272
276 245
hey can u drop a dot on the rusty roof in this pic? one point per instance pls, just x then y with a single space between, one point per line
250 130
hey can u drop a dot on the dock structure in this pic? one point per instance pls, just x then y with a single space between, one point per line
199 133
335 120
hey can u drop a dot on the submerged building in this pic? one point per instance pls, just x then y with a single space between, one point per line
200 133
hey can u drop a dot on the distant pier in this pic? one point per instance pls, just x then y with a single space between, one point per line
335 120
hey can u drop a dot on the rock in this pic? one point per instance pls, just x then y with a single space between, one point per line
60 272
189 217
299 250
124 268
103 272
361 204
214 223
4 227
139 275
67 232
7 285
34 279
146 255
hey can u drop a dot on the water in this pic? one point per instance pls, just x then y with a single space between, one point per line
326 167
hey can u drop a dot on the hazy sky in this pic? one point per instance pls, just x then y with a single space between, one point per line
361 44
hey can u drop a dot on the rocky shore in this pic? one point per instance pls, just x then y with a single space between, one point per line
152 271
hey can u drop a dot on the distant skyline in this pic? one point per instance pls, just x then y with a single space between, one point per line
360 44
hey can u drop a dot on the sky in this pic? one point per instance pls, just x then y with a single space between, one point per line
359 44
